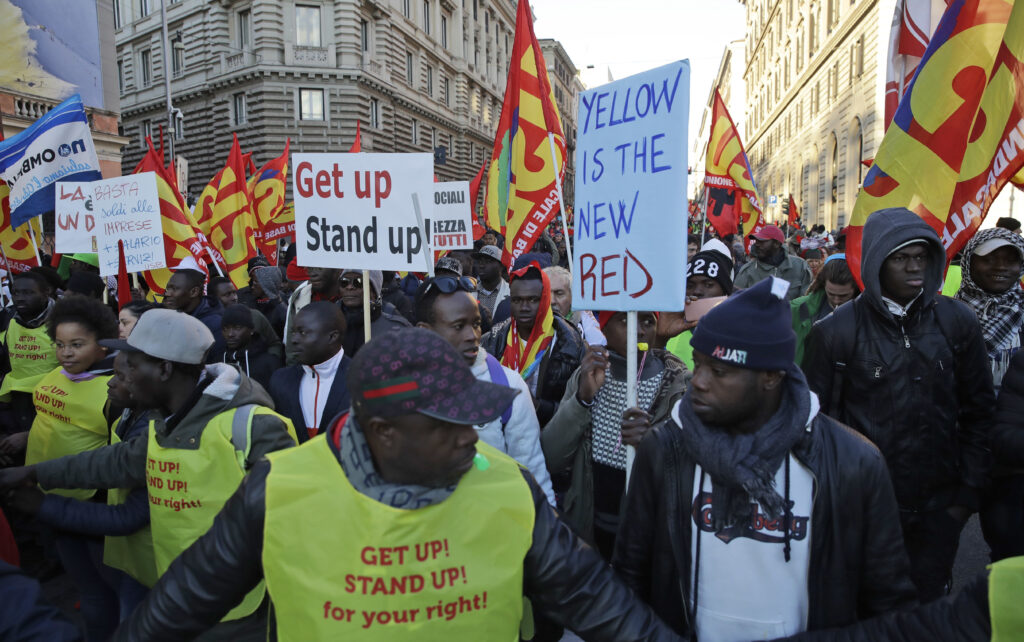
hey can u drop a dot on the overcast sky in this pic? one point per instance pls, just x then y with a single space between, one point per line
629 36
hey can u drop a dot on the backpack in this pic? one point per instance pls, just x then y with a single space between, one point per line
497 374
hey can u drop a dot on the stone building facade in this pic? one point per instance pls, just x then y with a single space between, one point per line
566 85
815 73
419 75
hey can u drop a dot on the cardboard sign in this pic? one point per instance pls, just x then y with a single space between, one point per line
356 211
630 233
451 225
74 218
127 209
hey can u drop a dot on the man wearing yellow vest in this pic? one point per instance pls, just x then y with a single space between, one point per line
396 524
210 425
28 351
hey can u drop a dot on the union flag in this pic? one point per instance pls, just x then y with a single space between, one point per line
958 134
232 224
19 253
267 187
732 198
523 180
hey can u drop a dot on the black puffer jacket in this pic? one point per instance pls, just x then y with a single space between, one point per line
858 567
919 387
566 579
555 367
1008 430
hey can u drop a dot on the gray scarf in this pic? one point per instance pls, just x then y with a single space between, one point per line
743 467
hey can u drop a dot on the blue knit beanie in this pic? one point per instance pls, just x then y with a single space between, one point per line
752 329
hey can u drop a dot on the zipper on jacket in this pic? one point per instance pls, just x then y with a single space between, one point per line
906 339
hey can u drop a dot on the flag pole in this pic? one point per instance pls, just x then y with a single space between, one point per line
561 202
35 244
366 306
704 217
429 254
10 275
631 375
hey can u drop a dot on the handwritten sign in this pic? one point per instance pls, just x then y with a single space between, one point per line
450 225
630 235
127 209
75 220
355 211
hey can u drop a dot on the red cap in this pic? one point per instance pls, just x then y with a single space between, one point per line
296 273
769 233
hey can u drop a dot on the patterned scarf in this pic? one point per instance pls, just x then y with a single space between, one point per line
526 359
1000 315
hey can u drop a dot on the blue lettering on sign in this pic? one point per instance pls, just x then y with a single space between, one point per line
592 215
648 99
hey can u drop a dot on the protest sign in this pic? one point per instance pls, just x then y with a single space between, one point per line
451 222
74 218
127 209
630 233
356 211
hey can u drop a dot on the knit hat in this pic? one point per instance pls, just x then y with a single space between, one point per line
752 329
713 265
269 279
376 280
237 314
296 273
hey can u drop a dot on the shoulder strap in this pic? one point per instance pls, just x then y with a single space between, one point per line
241 432
844 337
497 374
944 307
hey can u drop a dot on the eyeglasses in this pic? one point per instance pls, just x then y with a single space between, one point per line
449 284
354 282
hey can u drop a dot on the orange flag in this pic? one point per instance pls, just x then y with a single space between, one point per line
732 195
19 254
233 225
357 145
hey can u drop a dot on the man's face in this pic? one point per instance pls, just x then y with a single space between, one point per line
839 294
702 287
117 386
723 395
487 268
765 249
997 271
322 279
430 452
236 337
351 284
457 320
146 379
691 249
489 239
313 340
903 271
177 295
226 293
524 303
29 297
618 339
561 294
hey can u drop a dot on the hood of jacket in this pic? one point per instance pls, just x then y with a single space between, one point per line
228 389
885 230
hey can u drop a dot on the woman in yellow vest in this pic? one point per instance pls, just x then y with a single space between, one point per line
73 416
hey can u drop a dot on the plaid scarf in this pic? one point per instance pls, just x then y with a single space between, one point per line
1000 315
525 359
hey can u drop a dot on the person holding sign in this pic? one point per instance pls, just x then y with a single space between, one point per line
434 535
785 520
383 316
593 425
210 425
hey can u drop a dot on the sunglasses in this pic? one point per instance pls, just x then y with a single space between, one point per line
354 282
449 284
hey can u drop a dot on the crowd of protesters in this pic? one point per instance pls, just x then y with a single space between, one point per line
809 446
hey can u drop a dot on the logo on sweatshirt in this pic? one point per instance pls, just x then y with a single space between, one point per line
729 354
759 527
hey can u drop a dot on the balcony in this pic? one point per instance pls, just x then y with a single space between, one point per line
376 68
32 109
236 60
306 56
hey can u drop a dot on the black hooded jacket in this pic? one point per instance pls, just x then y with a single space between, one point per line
919 387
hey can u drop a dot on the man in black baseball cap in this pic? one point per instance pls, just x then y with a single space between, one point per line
396 524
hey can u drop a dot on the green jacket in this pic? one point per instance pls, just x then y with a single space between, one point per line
793 269
805 310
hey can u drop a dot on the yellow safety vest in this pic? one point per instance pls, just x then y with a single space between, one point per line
187 488
133 553
450 571
69 420
1005 588
32 357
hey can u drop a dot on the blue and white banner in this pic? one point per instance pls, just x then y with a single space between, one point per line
57 147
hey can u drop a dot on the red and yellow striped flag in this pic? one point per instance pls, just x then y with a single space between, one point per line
19 254
232 225
732 195
267 187
523 180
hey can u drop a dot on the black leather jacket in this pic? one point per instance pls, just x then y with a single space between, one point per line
564 578
555 367
858 567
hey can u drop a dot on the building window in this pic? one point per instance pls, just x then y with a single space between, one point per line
433 138
415 132
311 104
307 26
445 94
179 129
120 76
238 108
430 81
177 58
833 14
143 8
364 36
407 8
147 131
244 20
426 16
145 65
117 14
408 68
444 31
374 113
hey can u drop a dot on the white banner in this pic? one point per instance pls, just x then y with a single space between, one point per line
128 210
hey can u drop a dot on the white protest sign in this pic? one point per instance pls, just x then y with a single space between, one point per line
127 209
450 224
631 208
355 211
74 218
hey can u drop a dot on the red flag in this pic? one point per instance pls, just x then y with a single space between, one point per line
794 213
124 286
357 145
268 190
732 196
